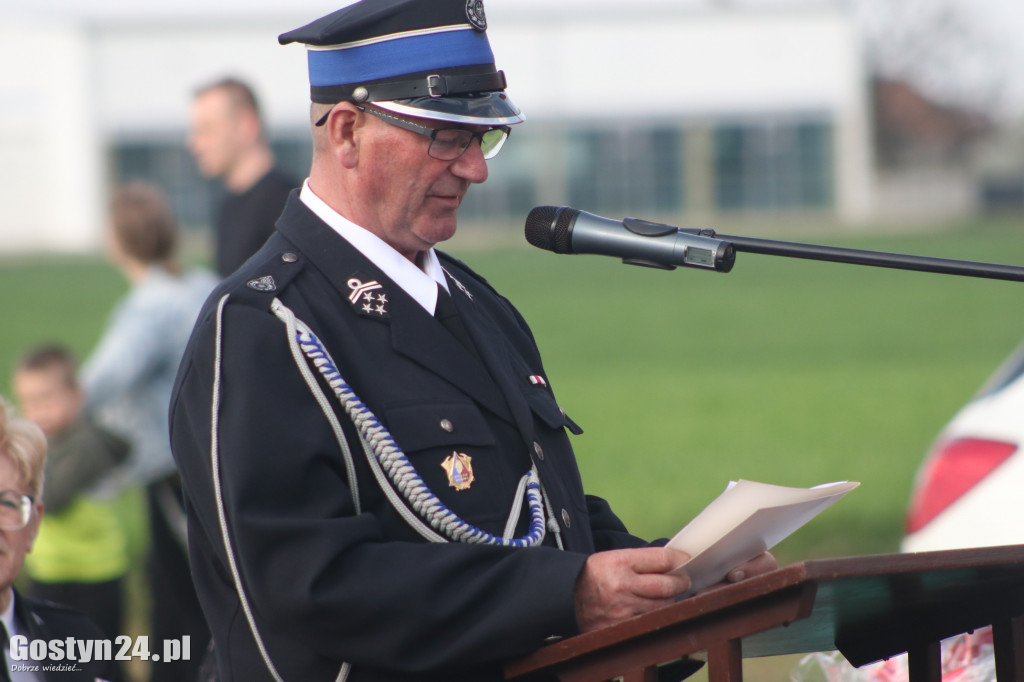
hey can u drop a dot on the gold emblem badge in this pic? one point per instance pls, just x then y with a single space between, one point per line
459 468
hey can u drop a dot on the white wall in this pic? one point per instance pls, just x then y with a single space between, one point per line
614 65
147 73
693 64
600 64
51 180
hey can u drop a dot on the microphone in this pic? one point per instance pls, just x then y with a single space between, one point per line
638 242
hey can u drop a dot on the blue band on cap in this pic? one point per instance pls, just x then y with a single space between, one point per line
394 57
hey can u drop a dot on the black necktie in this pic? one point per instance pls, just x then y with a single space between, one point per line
447 315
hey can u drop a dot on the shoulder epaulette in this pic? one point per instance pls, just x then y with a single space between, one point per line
270 278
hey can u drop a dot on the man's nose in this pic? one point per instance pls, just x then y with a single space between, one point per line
471 165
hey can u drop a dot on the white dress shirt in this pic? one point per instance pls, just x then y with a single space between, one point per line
419 283
10 622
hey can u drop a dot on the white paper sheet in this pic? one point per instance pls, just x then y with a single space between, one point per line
747 519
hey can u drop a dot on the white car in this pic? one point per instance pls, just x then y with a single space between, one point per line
969 491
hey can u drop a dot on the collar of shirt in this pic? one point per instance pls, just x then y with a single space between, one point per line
8 617
11 623
419 283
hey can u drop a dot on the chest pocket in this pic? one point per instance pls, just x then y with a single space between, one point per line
420 427
431 434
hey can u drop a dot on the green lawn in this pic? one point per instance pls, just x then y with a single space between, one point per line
55 298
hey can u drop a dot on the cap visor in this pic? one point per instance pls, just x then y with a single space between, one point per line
486 109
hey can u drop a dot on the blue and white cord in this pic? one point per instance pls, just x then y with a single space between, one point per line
389 463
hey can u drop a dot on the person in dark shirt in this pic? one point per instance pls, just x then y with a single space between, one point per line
229 143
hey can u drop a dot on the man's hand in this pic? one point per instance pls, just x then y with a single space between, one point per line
763 563
623 583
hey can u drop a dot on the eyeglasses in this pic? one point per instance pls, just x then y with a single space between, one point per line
446 144
15 510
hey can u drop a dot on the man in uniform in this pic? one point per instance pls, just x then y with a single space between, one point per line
380 481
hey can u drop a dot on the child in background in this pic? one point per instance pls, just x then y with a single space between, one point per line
81 554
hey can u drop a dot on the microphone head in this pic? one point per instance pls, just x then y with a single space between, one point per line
550 228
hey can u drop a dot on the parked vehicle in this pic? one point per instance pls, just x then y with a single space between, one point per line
969 491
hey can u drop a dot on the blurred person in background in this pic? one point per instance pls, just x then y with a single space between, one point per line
22 460
81 554
127 382
229 143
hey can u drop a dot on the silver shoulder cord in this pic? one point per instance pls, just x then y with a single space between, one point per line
388 463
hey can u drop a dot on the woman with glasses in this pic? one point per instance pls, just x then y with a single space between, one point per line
22 458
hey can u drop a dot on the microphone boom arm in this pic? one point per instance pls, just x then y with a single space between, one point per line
639 242
860 257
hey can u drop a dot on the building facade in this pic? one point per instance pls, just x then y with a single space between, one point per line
683 116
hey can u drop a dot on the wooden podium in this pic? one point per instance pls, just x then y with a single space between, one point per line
867 607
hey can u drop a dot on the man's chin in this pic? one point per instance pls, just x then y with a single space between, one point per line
440 231
440 238
443 223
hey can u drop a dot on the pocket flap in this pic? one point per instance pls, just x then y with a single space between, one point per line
419 427
544 406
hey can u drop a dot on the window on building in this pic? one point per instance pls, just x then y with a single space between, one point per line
632 170
636 169
773 166
166 162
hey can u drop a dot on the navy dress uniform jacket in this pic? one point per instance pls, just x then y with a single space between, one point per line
327 585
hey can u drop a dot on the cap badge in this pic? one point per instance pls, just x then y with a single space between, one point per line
475 14
459 468
365 301
265 283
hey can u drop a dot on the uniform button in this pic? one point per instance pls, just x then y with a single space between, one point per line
566 520
539 450
447 425
289 257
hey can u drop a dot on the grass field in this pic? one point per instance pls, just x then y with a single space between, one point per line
786 371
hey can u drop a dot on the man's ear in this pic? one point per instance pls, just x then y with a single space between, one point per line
249 123
343 128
